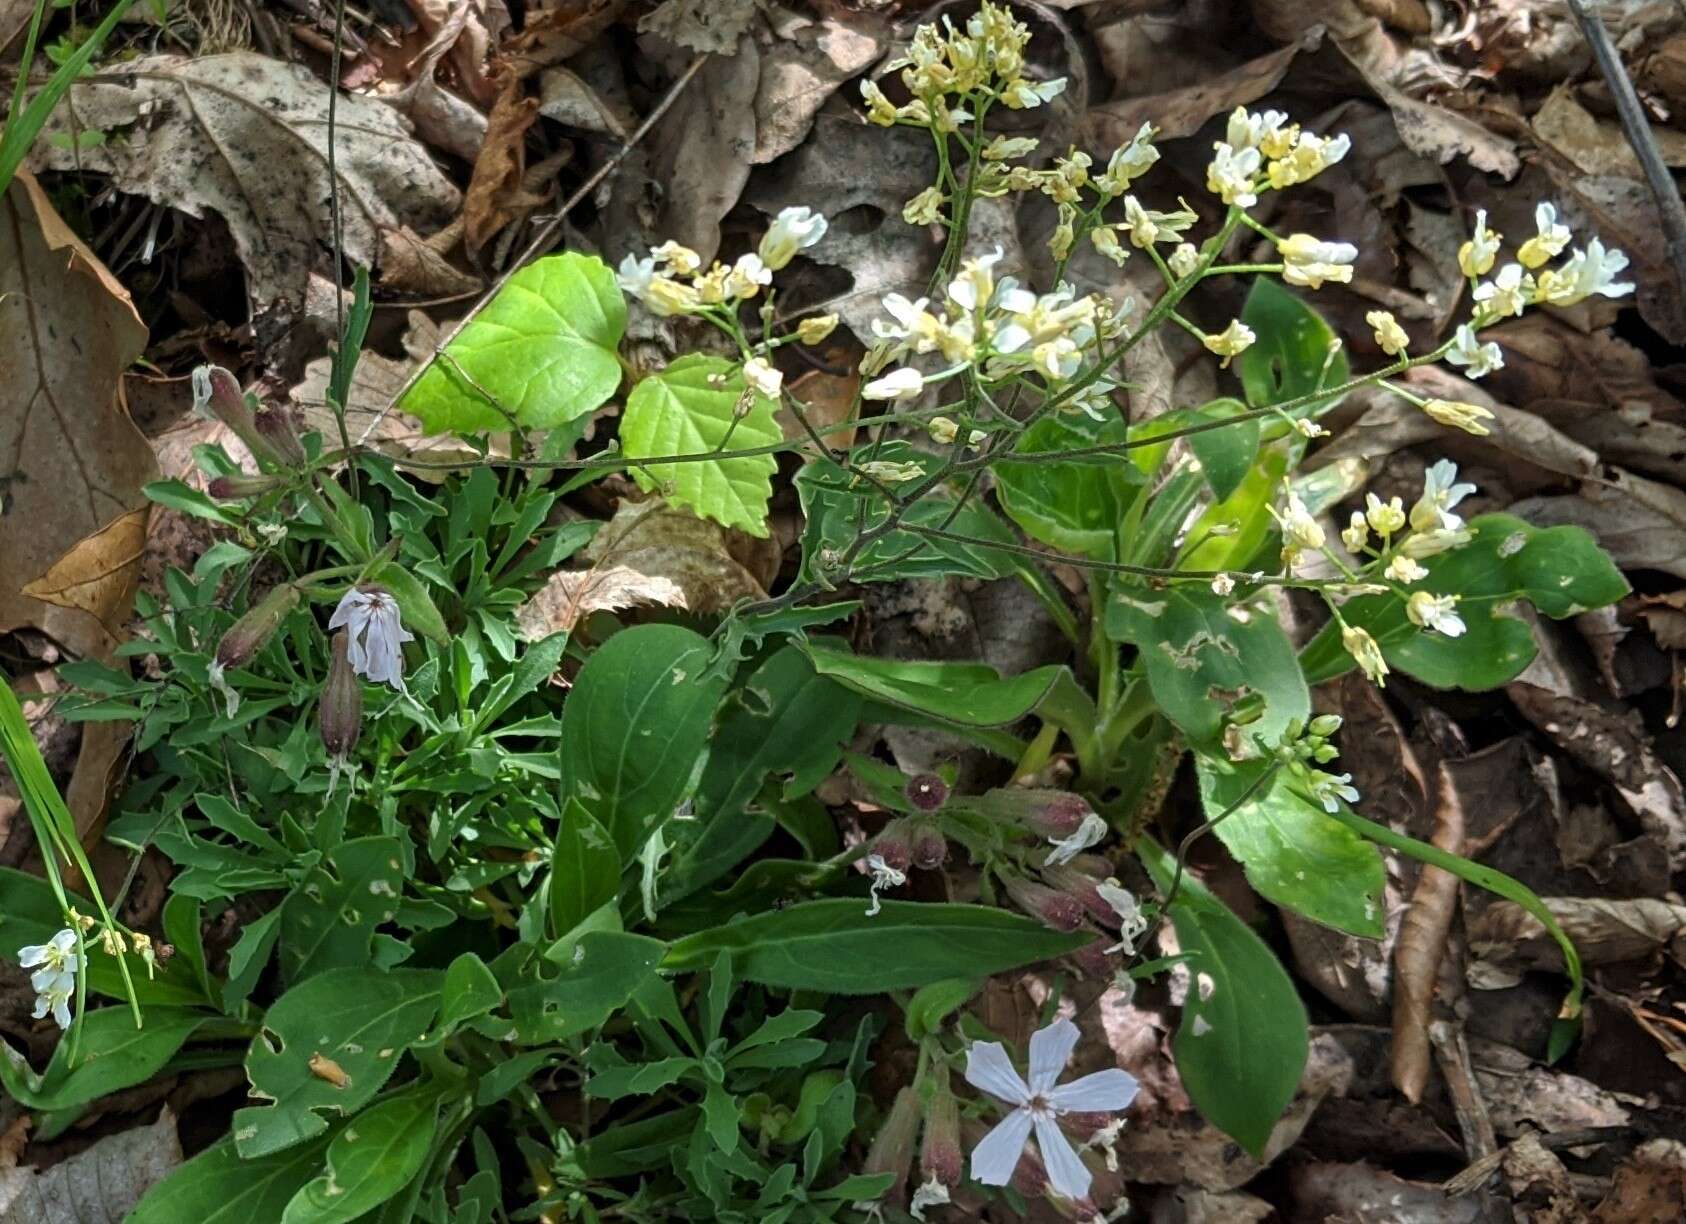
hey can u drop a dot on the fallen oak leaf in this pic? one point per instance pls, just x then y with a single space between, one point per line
100 1185
571 595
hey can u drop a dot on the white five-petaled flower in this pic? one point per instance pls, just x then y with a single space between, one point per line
1437 612
1441 493
902 384
1037 1103
792 230
377 635
55 963
1548 242
1478 359
1329 789
883 876
1088 833
1310 261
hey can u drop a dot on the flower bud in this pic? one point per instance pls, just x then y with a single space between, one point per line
894 844
892 1148
232 488
1094 959
281 432
930 847
927 792
1080 887
215 391
940 1156
342 703
1055 909
1051 813
248 634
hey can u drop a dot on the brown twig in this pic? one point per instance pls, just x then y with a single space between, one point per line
1638 131
542 240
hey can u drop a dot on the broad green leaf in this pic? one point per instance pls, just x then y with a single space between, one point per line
1229 534
1075 504
1295 853
470 990
691 408
635 725
353 1025
931 1006
218 1186
836 947
1295 353
1242 1044
248 957
585 869
1225 454
1202 651
110 1054
1560 570
837 508
374 1157
966 694
415 606
544 350
329 919
600 971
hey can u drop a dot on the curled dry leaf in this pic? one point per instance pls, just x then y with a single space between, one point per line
495 191
569 596
1521 1094
1641 523
1422 942
245 136
1605 931
100 1185
1324 1191
74 516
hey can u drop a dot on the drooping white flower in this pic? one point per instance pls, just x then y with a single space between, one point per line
902 384
1476 256
1366 652
932 1193
54 997
1441 494
1310 261
794 229
766 378
1088 833
1550 240
883 876
1477 358
879 109
55 963
1437 612
1037 1102
911 321
372 620
1587 272
1507 293
1132 923
1004 148
1231 173
1025 95
1128 163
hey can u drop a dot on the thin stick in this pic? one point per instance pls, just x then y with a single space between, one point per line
1638 131
541 241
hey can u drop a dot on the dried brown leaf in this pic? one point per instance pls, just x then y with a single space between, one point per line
1181 112
1650 1186
811 58
1422 942
569 596
100 1185
1605 931
495 191
711 27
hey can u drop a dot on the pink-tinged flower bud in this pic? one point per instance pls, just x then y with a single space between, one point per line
215 390
892 1148
231 488
246 636
894 844
342 703
1094 959
940 1156
1081 886
1057 909
281 432
1050 813
927 792
930 847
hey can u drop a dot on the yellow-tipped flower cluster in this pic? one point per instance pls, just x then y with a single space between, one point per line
1263 151
986 59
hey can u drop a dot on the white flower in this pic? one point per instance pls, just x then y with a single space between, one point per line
890 472
1405 570
1437 612
1587 272
1389 335
902 384
1057 359
636 274
1132 923
1184 260
794 229
1468 417
54 996
883 876
1436 541
1549 242
1128 162
1023 95
1385 517
1299 529
1356 534
1507 293
681 259
1248 130
1003 148
747 276
1366 652
1310 156
975 285
911 320
1230 174
1441 493
1476 256
931 1194
1328 789
1223 584
1087 834
1310 261
1037 1104
763 376
1480 359
376 633
55 957
1232 340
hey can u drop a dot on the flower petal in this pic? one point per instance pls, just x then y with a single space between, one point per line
989 1068
1104 1091
997 1155
1050 1050
1066 1173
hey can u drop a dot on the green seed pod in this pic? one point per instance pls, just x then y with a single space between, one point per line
342 702
248 634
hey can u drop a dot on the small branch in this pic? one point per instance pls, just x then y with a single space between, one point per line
1638 131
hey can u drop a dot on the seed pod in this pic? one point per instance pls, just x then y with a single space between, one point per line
892 1147
894 844
1055 909
1050 813
281 432
215 390
248 634
230 488
342 702
930 847
927 792
1081 887
939 1152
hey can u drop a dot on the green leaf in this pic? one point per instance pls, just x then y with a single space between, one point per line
835 947
1295 853
1201 650
544 349
833 503
470 990
1560 570
249 955
691 408
359 1020
600 971
377 1154
635 725
585 869
1242 1044
329 919
415 606
182 497
1229 533
966 694
932 1005
219 1187
1225 454
1292 355
1077 504
110 1053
